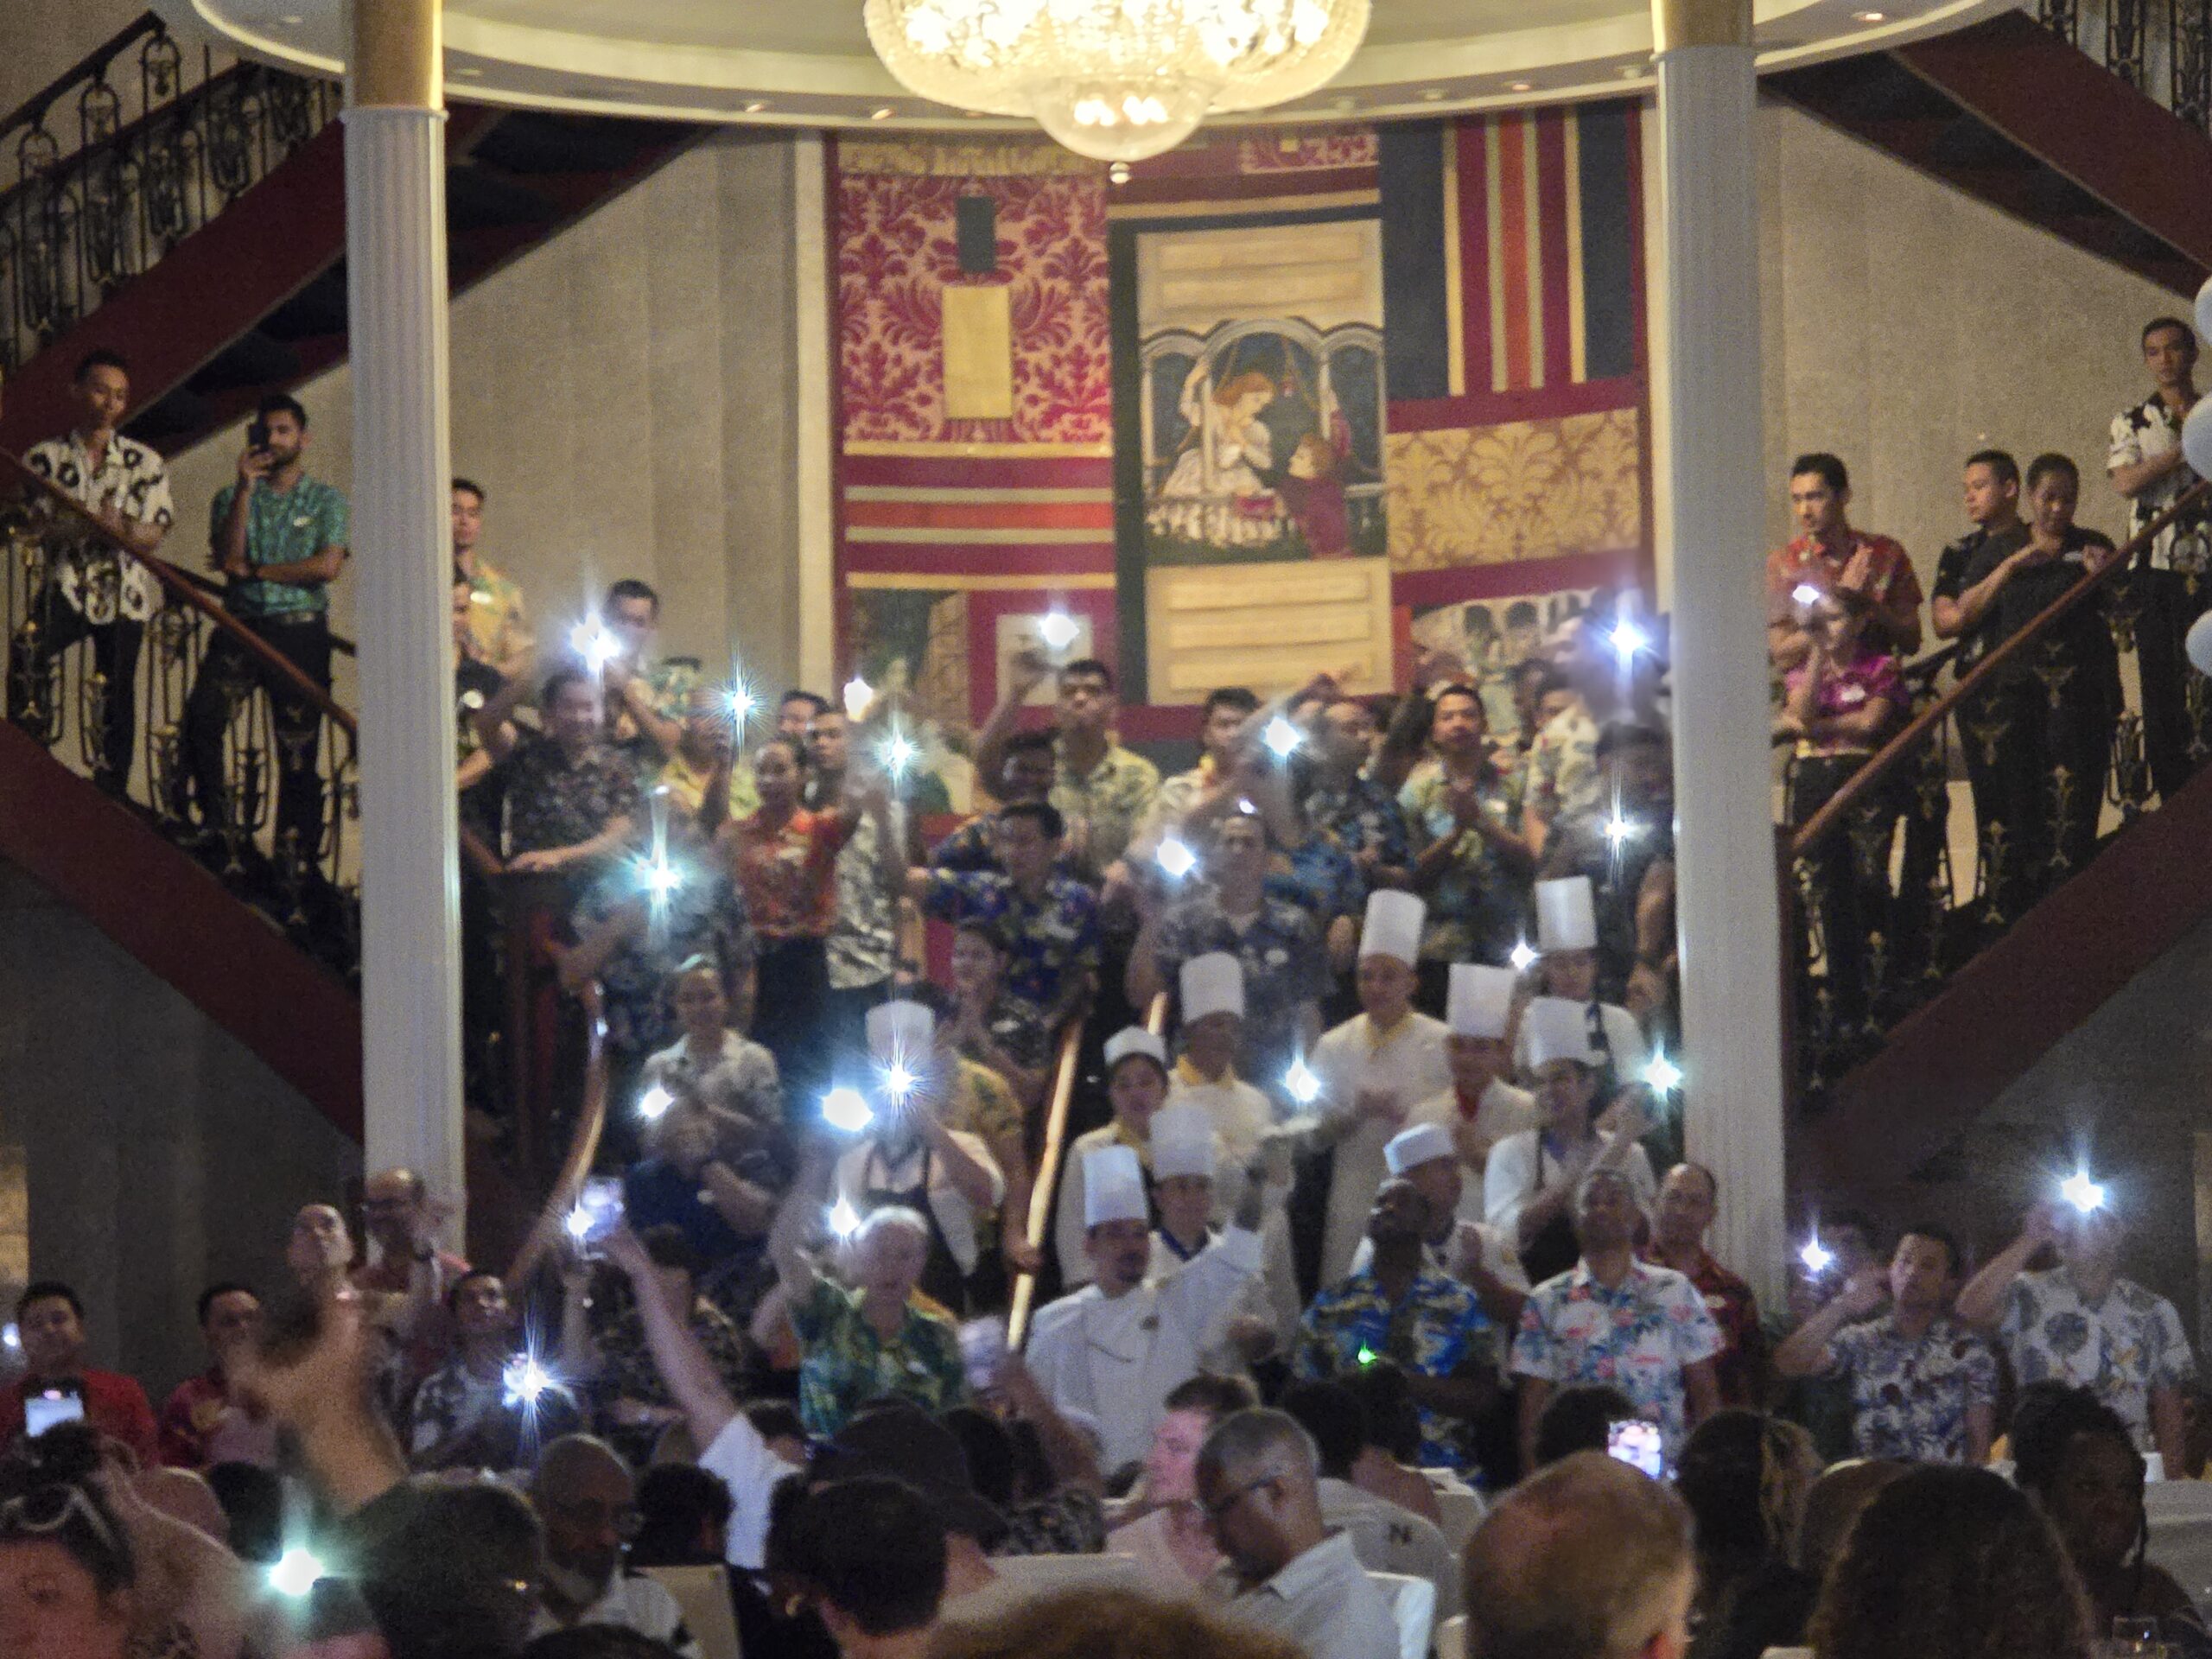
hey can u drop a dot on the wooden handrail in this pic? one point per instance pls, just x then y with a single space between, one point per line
1040 1219
94 63
583 1145
180 587
1155 1014
1886 760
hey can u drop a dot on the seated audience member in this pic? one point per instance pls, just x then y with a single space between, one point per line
1171 1538
1475 1254
705 751
1115 1349
1374 1068
68 1578
1923 1387
1746 1478
586 1498
1211 996
1623 845
682 1517
1137 1088
1430 1327
875 1335
897 1440
1386 1538
1481 1107
1389 1464
50 1322
1096 781
1833 1508
2076 1457
1951 1564
990 1027
1842 701
1530 1179
572 803
1471 862
1046 1513
722 1211
491 1406
1682 1217
1026 776
499 621
784 860
919 1154
875 1558
1258 1479
1110 1624
1831 556
199 1424
603 1343
1566 936
1579 1418
1050 921
725 1074
1585 1559
1613 1318
2083 1324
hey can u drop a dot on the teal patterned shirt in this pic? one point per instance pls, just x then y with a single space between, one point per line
282 527
1439 1330
845 1365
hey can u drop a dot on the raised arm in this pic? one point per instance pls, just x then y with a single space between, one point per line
1025 673
1804 1352
685 1369
492 720
1981 1299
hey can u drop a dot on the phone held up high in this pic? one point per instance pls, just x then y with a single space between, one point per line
53 1406
256 436
1636 1442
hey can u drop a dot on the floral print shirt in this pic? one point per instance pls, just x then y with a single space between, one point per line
1050 939
790 872
705 916
1113 798
845 1363
93 578
2119 1349
1475 911
1360 817
1563 776
554 802
1909 1394
1285 968
1439 1330
1638 1336
282 527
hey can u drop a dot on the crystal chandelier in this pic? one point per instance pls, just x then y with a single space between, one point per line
1117 79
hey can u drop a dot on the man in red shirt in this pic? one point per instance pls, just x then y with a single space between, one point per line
199 1426
407 1267
1829 554
1687 1199
51 1321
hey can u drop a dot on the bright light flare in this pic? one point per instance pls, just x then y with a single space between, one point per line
1057 629
2084 1194
844 1220
1523 957
1621 831
1175 859
1663 1074
524 1378
295 1572
1805 594
899 1082
1816 1256
592 642
660 878
899 753
859 695
740 702
1282 739
654 1102
1301 1083
10 1337
1628 638
578 1223
847 1109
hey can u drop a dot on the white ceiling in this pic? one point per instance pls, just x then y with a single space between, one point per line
807 61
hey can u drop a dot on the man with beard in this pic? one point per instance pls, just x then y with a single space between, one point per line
585 1495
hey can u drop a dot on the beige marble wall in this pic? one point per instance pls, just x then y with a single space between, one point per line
39 39
1906 325
624 394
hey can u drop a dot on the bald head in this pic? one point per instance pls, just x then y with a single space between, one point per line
584 1494
575 1462
1585 1559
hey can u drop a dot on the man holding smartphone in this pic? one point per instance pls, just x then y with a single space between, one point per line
51 1321
280 536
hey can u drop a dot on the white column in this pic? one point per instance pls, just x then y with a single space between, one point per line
410 913
1727 911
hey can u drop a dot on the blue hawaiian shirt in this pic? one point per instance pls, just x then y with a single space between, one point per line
1051 939
1439 1330
1909 1394
2121 1349
1362 815
1285 968
1639 1337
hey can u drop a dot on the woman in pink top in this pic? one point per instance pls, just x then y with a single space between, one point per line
1840 704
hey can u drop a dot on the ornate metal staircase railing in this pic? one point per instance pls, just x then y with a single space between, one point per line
2163 48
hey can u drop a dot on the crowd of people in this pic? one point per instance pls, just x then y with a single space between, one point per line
1371 1212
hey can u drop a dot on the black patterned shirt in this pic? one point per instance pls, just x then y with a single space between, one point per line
92 577
554 802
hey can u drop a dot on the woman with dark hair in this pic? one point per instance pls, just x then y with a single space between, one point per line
1951 1563
1746 1478
67 1577
2075 1456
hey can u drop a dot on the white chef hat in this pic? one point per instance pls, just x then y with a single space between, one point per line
1558 1030
1135 1039
900 1028
1423 1144
1182 1142
1113 1187
1481 1000
1393 929
1565 919
1213 984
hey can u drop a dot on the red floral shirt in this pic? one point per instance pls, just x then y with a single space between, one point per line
1740 1366
1876 566
789 873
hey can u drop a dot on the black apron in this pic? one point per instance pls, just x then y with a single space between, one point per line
941 1279
1554 1249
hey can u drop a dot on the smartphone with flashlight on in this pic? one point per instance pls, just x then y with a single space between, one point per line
51 1406
598 1213
1636 1442
982 1351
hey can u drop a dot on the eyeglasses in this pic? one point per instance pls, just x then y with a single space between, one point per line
48 1509
626 1521
1223 1505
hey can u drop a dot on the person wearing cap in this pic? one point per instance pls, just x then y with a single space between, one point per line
1567 935
1116 1348
1278 943
1188 1154
1480 1256
911 1157
1612 1319
1680 1222
1398 1308
1136 1087
1471 862
1212 1002
1374 1070
1625 844
1481 1107
1529 1181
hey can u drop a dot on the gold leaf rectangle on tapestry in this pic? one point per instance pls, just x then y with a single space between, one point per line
1538 489
1267 625
978 353
1215 588
1304 625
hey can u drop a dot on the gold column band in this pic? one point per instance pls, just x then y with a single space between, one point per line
397 55
1699 22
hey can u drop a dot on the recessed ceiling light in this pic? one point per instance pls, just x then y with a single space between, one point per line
883 114
291 20
756 106
1434 95
1632 71
1870 16
1521 86
468 71
1343 105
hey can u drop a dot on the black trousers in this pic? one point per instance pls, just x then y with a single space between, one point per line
2053 765
115 656
2172 600
229 672
1852 898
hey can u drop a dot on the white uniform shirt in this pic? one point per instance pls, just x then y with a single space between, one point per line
1503 1111
741 1459
632 1602
1324 1602
1520 1168
1410 1063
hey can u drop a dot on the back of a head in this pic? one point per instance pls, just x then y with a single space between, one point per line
1833 1506
1585 1559
873 1550
449 1570
2046 1419
1109 1625
1387 1409
989 1449
1330 1413
678 1505
597 1642
1579 1418
1951 1563
1745 1477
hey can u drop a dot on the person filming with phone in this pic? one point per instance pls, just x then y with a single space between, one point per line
58 1387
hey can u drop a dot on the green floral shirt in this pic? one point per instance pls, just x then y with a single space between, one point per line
1475 905
282 527
846 1364
498 629
1113 798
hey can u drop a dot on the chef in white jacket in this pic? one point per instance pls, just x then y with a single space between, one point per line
1481 1107
1192 1169
1116 1348
1374 1070
1567 934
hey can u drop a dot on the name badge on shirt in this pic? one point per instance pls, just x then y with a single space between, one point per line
301 522
1852 694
